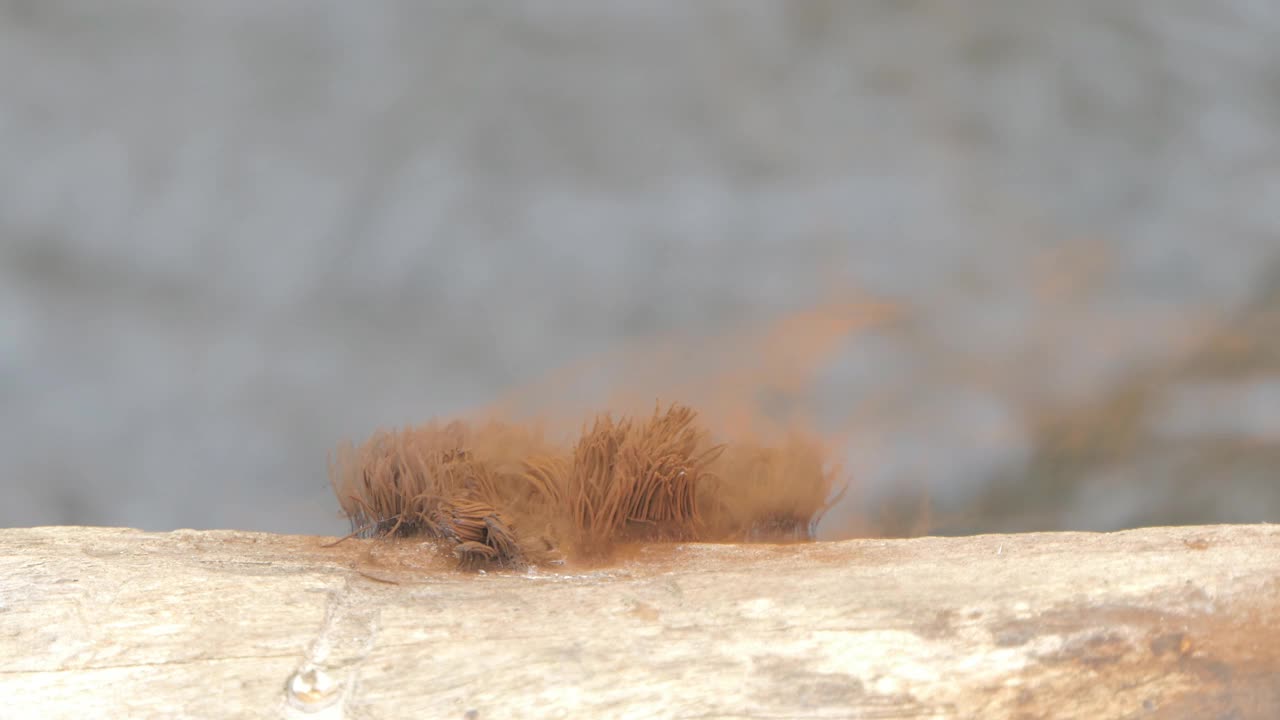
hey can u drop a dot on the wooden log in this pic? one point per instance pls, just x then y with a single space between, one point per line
1159 622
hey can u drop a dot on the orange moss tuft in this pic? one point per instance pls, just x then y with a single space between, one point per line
500 494
772 493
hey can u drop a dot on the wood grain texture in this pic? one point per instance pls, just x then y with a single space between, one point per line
1158 623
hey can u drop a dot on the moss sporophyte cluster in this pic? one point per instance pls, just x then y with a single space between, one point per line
501 494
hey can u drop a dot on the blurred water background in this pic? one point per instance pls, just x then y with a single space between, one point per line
235 233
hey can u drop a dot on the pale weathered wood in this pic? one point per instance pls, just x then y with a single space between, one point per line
1161 622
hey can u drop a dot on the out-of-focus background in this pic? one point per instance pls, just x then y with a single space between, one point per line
235 233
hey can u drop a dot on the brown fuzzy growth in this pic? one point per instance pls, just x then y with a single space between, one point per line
637 482
499 495
772 493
